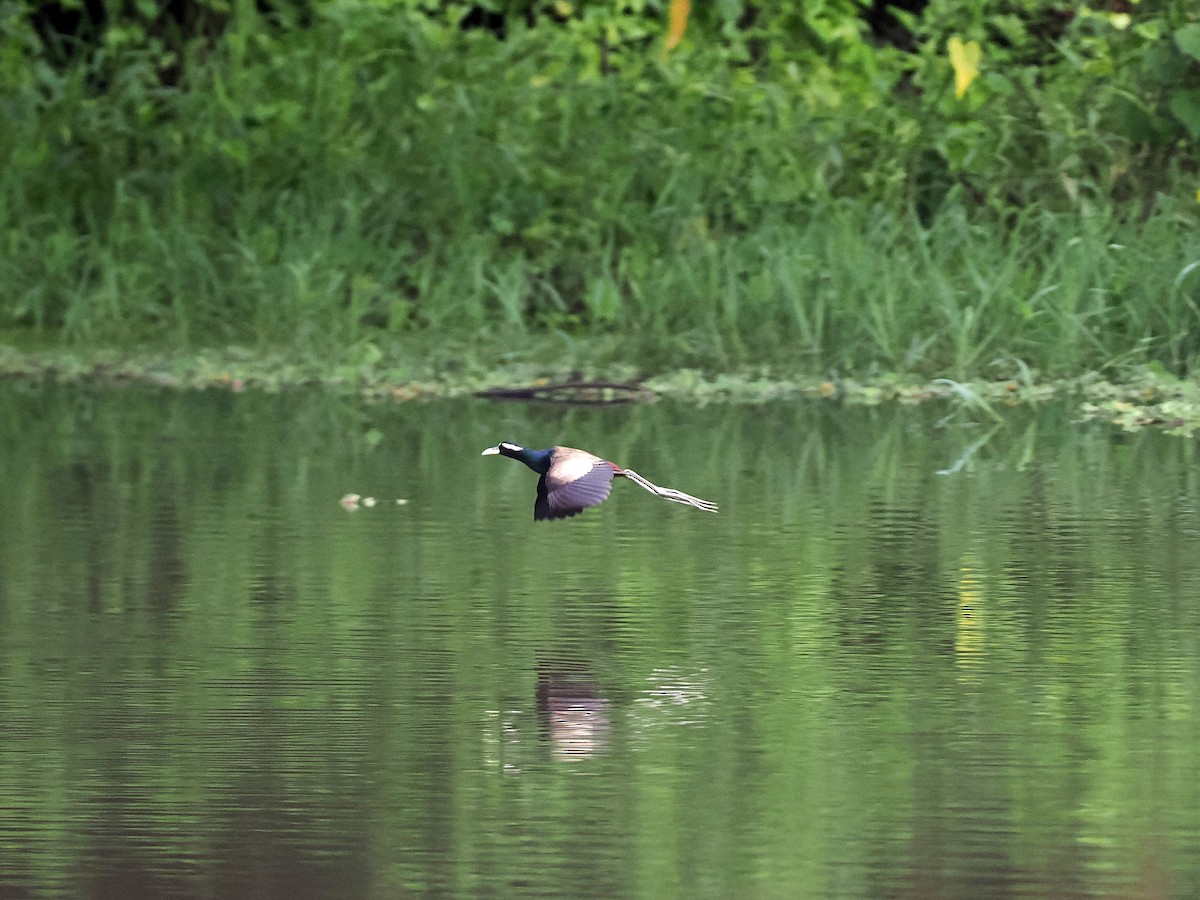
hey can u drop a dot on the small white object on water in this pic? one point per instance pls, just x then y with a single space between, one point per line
400 501
368 502
350 502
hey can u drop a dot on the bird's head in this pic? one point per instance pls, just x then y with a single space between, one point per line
538 460
505 448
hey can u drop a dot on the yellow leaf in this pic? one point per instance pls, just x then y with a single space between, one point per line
964 58
677 22
564 9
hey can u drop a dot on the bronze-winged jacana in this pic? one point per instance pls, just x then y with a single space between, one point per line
572 480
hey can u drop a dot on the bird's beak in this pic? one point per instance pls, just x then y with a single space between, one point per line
491 451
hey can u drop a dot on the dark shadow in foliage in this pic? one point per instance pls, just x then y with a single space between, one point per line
73 32
69 30
886 27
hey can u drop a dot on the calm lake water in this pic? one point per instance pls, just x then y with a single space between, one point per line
885 668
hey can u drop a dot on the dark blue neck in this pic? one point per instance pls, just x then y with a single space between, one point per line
538 460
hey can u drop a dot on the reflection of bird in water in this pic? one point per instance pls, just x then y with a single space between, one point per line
573 715
572 480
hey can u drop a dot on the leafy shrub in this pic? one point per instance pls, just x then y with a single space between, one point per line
326 173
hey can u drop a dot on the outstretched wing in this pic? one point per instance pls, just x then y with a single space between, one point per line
563 494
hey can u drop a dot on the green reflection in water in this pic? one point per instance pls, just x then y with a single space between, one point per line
862 678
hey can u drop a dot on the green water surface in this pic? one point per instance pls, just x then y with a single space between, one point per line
889 667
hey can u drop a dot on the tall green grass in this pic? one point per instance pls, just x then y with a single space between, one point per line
373 180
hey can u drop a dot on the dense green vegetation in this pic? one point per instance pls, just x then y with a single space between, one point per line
796 185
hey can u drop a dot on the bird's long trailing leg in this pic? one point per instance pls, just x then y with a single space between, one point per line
668 493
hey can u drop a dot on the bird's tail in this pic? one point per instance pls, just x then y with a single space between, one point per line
668 493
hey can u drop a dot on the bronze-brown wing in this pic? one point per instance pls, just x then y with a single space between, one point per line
559 497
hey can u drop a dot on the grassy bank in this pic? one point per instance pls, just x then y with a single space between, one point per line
1142 398
379 188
